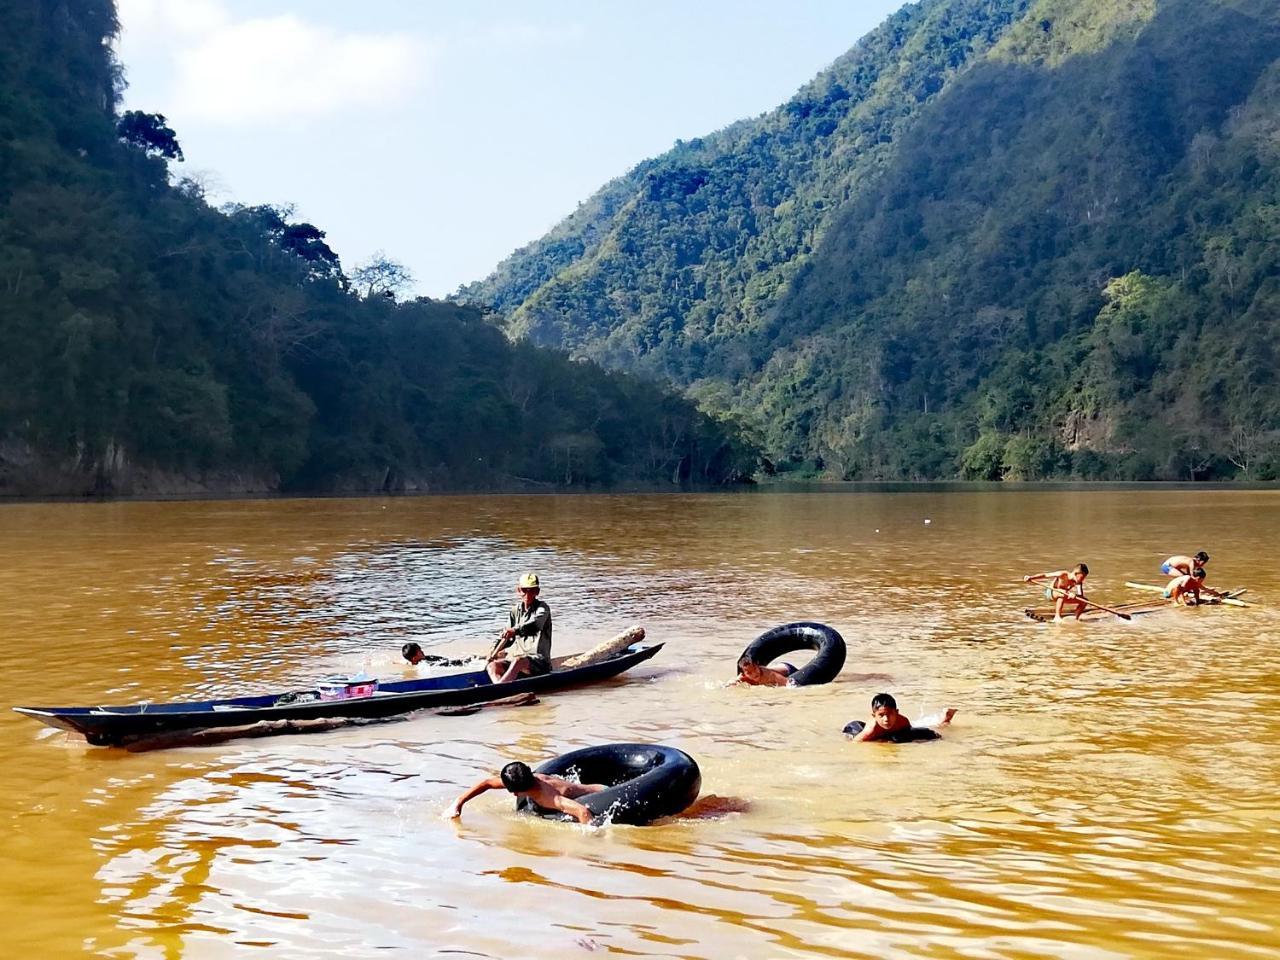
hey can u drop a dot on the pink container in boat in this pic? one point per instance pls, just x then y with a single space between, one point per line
346 688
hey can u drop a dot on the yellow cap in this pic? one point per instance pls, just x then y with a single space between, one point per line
529 581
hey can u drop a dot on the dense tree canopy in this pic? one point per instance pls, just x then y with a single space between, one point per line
150 133
997 239
149 342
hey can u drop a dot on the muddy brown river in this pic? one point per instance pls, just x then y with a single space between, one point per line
1107 789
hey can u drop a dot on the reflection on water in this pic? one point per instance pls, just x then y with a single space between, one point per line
1107 789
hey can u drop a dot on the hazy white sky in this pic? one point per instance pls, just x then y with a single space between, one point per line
448 133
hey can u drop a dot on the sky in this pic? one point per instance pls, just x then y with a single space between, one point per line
445 134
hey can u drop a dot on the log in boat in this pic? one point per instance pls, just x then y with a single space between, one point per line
1134 608
119 725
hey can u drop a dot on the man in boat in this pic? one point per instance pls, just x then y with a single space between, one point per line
524 647
1187 588
1183 566
545 792
1061 585
886 720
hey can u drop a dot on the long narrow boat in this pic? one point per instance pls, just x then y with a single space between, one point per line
117 725
1134 608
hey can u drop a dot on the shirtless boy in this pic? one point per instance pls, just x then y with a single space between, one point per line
756 675
1187 588
1179 565
545 792
1061 585
886 720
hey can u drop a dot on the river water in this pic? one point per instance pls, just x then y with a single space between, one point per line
1107 789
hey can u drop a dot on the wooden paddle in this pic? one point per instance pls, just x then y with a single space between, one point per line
493 651
1119 613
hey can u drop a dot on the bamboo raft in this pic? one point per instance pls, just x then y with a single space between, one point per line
1229 597
1134 608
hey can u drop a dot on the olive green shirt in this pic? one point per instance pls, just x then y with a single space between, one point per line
533 631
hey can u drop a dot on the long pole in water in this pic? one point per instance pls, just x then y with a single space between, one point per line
1119 613
1222 597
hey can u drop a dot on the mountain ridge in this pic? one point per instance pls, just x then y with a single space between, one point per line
950 316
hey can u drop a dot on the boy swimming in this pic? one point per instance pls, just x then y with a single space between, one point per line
757 675
886 722
545 792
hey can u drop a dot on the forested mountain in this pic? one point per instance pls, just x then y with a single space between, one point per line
150 343
998 238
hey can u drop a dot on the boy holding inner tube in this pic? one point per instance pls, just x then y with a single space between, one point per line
886 721
545 792
757 675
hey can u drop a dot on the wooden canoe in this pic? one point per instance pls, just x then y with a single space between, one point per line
117 725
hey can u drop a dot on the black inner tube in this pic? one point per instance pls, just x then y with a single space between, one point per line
802 635
646 782
913 735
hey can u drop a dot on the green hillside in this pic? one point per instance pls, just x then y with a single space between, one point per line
998 238
150 343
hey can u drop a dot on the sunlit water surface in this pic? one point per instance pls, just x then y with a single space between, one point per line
1107 789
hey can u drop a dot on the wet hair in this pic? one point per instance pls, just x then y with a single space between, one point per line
1082 568
1197 573
1201 558
517 777
411 650
745 660
883 700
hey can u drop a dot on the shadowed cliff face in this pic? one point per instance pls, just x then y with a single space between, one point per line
931 281
151 344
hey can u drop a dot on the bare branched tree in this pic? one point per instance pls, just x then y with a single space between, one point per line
380 276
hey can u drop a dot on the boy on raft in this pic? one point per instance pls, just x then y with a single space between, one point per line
547 793
1062 583
1186 589
887 721
1183 566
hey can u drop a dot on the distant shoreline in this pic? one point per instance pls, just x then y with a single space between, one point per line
785 487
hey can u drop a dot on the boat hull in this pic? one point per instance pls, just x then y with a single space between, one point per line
115 726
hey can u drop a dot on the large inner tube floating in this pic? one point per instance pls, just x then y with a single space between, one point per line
803 635
645 781
912 735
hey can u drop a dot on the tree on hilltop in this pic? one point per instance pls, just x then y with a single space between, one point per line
150 133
